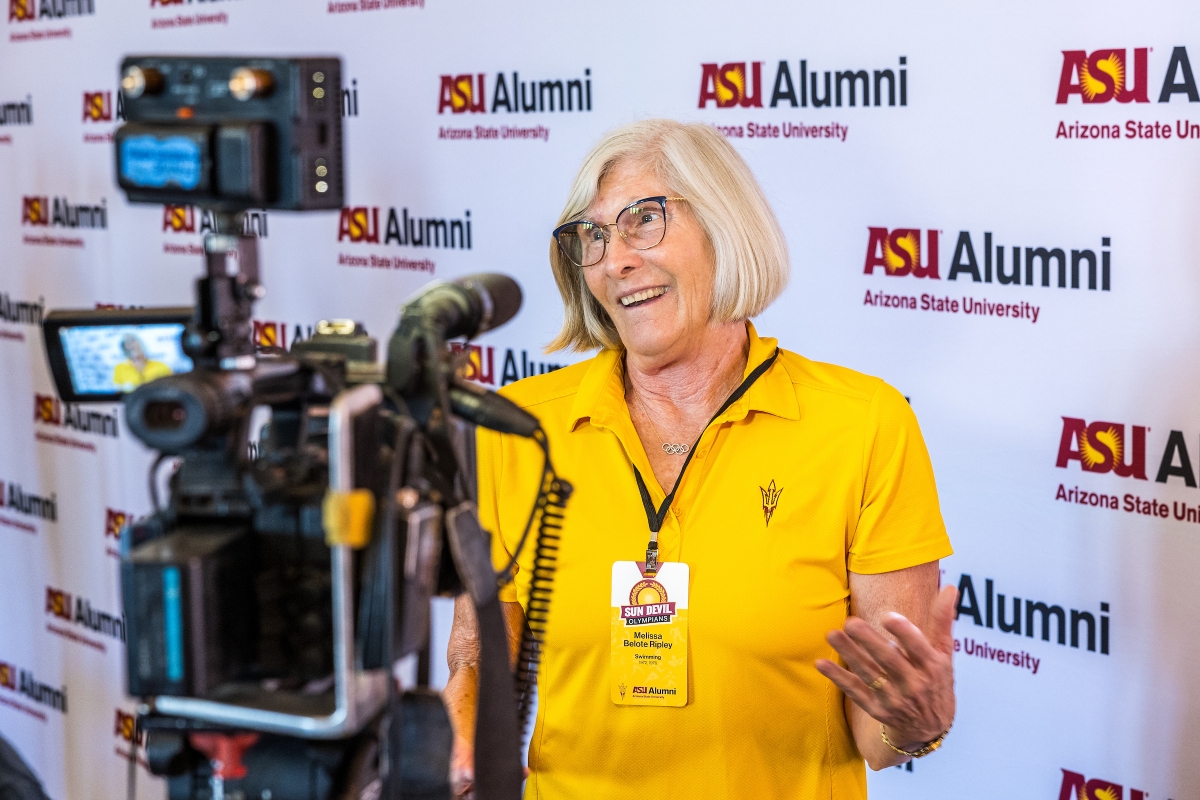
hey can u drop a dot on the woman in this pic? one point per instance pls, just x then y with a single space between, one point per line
779 495
138 368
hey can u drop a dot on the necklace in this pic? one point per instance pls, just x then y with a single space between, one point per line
669 448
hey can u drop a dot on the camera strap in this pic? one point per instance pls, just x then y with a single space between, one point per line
498 773
655 517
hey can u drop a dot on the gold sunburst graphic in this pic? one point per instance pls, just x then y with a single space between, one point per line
1111 66
910 244
736 78
770 499
647 591
1091 456
464 96
1104 794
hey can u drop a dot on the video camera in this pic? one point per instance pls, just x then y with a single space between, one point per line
271 600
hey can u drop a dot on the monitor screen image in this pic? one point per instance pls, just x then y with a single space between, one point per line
109 359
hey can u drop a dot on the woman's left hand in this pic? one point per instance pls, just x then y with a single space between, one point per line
906 684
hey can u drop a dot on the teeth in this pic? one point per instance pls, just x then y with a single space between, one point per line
643 295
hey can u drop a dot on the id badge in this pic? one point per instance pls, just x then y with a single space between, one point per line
648 658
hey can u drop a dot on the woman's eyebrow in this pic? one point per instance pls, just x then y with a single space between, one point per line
589 215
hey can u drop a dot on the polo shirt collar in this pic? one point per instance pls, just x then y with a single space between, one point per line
772 393
601 394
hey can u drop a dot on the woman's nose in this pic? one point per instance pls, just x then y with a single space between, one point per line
619 257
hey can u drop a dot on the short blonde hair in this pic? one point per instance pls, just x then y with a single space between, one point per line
694 160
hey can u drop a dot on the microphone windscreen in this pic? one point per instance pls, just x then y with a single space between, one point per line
503 292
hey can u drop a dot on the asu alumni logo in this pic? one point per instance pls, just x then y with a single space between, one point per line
114 522
30 10
21 312
187 219
25 682
898 253
17 112
58 604
1105 75
126 728
739 84
21 10
1109 74
480 364
48 409
63 213
35 211
361 224
98 106
727 85
1076 787
1101 447
467 94
19 501
1121 450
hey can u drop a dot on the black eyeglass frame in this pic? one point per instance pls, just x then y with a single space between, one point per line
660 199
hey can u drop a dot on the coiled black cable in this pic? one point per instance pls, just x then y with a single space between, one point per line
550 507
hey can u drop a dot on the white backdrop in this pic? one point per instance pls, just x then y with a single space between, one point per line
1025 391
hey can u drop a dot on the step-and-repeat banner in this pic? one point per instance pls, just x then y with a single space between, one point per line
992 207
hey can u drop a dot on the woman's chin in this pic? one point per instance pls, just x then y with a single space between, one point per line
651 341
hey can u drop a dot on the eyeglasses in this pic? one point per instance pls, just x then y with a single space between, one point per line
642 225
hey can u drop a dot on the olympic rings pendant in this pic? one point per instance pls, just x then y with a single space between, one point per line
675 449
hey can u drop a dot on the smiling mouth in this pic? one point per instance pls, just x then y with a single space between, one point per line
643 297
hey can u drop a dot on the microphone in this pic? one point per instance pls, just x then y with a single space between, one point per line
489 410
465 307
440 311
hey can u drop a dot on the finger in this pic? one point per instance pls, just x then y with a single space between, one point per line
853 687
918 649
884 652
462 791
857 659
942 619
462 776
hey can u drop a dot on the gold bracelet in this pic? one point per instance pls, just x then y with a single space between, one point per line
918 753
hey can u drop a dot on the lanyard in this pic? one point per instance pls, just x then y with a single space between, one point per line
655 518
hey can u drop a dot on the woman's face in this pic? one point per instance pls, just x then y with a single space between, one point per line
673 280
133 348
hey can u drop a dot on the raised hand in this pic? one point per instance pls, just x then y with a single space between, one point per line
908 684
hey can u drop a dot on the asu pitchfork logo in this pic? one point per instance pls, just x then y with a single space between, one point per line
770 499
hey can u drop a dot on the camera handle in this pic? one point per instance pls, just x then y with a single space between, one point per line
220 334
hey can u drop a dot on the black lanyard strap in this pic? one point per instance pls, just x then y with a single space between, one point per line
655 518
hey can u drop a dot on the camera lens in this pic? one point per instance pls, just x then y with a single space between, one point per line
164 415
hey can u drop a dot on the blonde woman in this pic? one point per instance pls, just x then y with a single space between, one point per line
746 602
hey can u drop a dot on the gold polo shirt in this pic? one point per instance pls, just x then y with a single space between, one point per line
841 455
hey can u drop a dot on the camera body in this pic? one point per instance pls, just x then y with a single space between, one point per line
232 133
269 601
228 588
